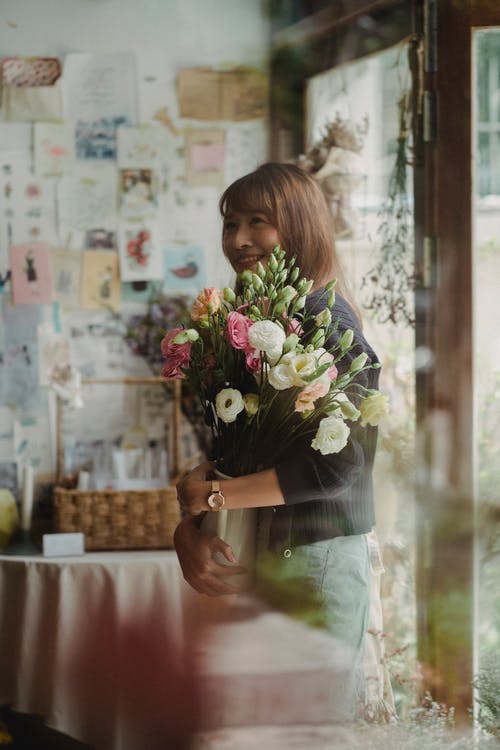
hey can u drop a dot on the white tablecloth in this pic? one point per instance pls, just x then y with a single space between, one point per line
92 643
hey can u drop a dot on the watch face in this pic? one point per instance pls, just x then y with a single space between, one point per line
215 500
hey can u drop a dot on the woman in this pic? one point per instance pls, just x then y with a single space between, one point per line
314 510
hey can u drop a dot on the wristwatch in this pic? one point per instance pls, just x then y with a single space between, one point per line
216 499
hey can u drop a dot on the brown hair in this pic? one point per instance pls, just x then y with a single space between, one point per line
296 206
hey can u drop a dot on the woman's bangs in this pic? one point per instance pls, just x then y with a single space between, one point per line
247 194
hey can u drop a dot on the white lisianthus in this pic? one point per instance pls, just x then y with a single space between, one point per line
331 436
228 404
251 402
280 377
305 364
344 406
267 336
373 408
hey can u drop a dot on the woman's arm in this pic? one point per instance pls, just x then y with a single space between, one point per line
259 490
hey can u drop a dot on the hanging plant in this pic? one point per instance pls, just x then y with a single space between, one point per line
392 278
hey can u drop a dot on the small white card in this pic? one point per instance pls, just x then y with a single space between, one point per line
62 545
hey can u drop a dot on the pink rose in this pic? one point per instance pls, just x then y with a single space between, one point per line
206 303
238 326
176 355
253 363
309 394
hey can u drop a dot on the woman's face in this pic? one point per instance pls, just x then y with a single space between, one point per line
247 238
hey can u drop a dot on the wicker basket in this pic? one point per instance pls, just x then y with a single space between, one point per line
114 519
120 519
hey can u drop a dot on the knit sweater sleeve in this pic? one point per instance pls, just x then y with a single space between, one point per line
305 474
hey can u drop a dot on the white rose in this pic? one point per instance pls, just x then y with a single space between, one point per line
228 404
346 407
267 336
331 436
373 408
280 377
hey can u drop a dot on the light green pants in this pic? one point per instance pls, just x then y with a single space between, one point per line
328 584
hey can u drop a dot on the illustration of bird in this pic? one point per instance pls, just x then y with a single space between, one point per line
186 271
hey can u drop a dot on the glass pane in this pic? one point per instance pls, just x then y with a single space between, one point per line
361 108
486 222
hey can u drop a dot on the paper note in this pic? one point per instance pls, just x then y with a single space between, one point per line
53 354
54 147
100 280
19 357
207 94
31 273
87 199
66 269
205 157
138 192
143 148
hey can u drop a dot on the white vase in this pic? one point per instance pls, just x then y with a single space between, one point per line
238 528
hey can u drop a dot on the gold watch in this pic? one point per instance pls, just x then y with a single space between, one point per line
216 499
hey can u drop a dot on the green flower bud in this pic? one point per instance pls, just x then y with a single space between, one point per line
287 294
257 283
192 335
358 363
330 285
346 340
271 292
299 303
272 263
291 342
229 295
280 308
248 294
261 271
323 319
331 299
180 338
246 277
255 311
318 339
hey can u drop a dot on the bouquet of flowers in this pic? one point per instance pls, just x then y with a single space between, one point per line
265 370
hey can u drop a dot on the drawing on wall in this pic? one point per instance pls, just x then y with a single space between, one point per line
100 239
136 291
143 148
140 256
100 280
31 273
53 354
66 268
205 157
138 194
184 267
54 149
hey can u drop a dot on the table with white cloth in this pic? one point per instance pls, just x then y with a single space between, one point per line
92 643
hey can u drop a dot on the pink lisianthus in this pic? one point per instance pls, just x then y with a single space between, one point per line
206 303
309 394
333 373
294 326
176 355
253 362
238 326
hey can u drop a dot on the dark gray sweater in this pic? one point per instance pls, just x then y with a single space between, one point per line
329 496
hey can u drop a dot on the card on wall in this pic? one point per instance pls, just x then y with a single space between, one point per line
87 199
184 268
205 157
54 149
140 254
31 273
27 208
19 363
143 148
138 192
100 280
66 268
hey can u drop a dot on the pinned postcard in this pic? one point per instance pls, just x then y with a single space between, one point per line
205 157
66 269
208 94
99 96
138 192
140 254
31 444
100 239
100 280
185 268
6 434
54 149
143 148
31 273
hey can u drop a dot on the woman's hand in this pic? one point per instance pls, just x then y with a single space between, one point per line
195 551
194 489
